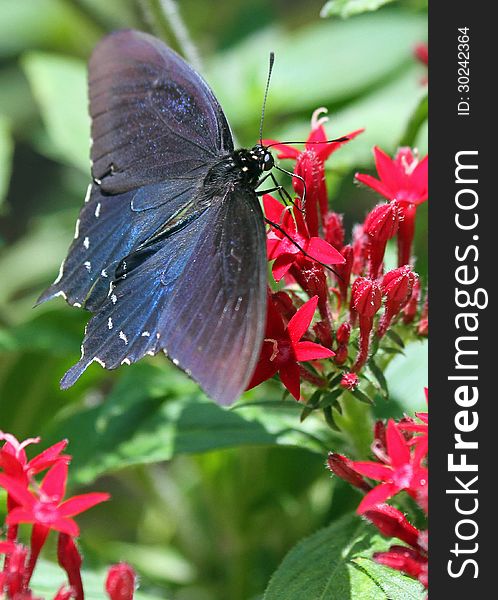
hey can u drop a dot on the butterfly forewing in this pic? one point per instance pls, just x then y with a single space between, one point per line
153 116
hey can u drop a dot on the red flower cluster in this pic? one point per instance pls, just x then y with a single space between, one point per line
305 239
42 504
401 465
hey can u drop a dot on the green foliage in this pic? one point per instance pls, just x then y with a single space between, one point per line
334 563
5 157
348 8
205 500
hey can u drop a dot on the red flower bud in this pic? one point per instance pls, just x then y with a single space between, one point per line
423 325
341 354
334 230
344 271
393 523
381 225
405 559
397 288
360 250
64 593
283 303
343 333
120 582
349 381
341 466
366 297
323 333
410 308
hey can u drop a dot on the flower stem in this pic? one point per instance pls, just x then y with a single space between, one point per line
172 15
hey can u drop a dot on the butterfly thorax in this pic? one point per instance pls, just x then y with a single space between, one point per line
243 167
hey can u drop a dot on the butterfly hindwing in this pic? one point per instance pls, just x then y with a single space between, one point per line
153 116
199 296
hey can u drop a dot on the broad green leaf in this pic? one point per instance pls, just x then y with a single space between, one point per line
154 413
348 8
48 24
393 583
408 375
48 578
5 157
325 566
59 87
325 63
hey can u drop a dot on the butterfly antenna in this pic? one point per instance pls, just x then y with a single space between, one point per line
270 69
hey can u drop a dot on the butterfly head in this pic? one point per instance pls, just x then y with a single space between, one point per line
263 156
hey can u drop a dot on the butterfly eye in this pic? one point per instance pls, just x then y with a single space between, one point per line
268 162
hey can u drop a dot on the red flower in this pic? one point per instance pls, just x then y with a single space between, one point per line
47 508
283 251
402 473
120 582
282 349
421 51
404 179
419 431
70 560
310 167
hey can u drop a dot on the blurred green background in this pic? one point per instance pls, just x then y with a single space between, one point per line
206 502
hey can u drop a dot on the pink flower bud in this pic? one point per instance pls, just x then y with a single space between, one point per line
120 582
410 308
341 466
349 381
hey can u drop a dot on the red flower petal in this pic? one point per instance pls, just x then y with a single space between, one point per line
78 504
386 168
373 470
377 496
273 208
17 490
323 252
289 374
19 515
54 482
282 265
283 150
310 351
397 447
300 322
67 526
325 150
266 368
47 457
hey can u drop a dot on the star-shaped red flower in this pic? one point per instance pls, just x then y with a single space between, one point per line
282 349
403 472
48 508
403 178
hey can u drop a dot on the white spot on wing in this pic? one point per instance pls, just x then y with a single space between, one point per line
145 334
61 293
114 298
86 243
97 210
109 323
88 265
126 361
123 337
61 273
88 192
101 362
77 229
77 304
103 273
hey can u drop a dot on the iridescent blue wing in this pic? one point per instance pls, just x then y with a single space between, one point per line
198 293
157 128
153 116
109 228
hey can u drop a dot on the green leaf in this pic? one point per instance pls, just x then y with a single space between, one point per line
394 583
417 120
59 87
325 566
6 147
395 338
379 376
48 578
155 412
348 8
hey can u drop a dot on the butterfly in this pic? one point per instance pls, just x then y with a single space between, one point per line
169 252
